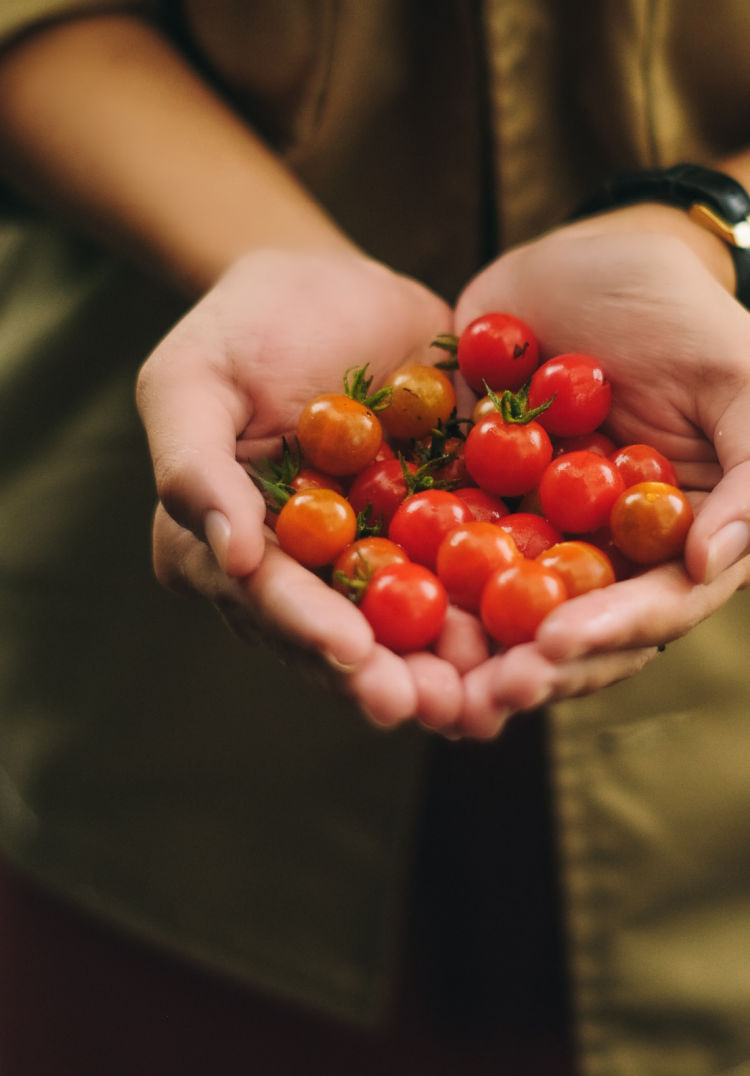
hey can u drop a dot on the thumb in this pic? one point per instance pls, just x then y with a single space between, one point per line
192 413
720 535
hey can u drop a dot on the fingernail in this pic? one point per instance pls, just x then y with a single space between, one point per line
336 664
218 533
726 547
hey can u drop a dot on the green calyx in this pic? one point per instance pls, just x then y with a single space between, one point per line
274 479
514 406
355 585
447 342
357 387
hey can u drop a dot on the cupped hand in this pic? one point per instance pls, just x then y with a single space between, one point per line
676 346
222 389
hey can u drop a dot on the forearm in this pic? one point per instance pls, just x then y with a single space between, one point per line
103 122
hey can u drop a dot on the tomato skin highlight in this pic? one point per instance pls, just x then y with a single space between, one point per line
497 348
642 463
507 458
650 522
515 600
422 521
468 555
577 491
581 565
531 533
338 435
582 394
421 397
315 525
405 605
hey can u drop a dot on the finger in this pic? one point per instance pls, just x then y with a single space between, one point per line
523 679
192 413
720 534
648 610
463 641
295 603
384 688
439 690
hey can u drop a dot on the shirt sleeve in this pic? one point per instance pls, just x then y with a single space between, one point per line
18 16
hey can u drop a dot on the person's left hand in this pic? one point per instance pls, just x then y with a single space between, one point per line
676 347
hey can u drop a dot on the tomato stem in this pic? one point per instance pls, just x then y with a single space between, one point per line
357 387
514 406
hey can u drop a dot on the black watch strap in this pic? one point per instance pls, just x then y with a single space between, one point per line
712 199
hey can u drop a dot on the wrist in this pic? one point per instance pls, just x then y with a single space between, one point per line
714 200
657 219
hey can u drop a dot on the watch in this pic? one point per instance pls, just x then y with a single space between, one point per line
712 199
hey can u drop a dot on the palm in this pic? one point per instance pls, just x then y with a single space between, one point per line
674 343
293 324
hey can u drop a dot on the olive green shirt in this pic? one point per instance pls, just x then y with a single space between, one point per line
209 797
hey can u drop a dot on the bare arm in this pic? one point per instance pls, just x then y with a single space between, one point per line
103 121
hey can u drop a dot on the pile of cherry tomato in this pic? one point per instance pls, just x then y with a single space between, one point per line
405 507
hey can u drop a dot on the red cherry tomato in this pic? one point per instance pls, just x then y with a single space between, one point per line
498 349
484 506
405 605
596 441
357 563
422 521
577 491
309 478
581 566
532 533
315 525
468 555
385 452
623 567
507 458
338 435
516 599
582 394
454 469
378 490
421 397
642 463
650 522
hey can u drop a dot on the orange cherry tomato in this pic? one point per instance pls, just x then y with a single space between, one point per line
338 435
356 563
421 397
582 566
315 525
650 522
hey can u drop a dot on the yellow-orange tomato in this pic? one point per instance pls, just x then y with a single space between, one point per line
421 397
338 435
650 521
485 405
315 525
355 565
582 566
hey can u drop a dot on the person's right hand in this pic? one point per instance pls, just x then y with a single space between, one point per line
223 387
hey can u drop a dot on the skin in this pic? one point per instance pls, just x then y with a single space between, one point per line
102 123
